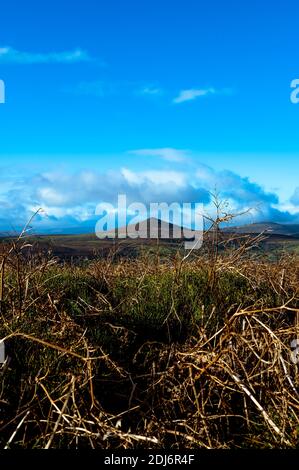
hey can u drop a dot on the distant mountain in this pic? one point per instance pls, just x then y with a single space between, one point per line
270 228
160 228
88 246
165 230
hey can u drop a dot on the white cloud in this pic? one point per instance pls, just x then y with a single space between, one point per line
70 198
192 94
151 90
10 55
51 196
166 153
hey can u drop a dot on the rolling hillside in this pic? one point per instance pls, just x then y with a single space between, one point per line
169 237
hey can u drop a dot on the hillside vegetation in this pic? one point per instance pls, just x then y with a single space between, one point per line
149 352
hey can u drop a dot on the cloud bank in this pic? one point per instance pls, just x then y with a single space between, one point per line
69 198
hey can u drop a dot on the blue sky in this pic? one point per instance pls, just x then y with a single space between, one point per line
163 100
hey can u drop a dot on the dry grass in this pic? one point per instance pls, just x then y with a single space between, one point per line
149 353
